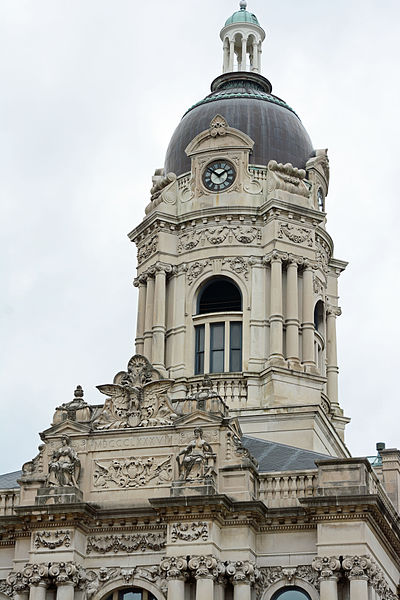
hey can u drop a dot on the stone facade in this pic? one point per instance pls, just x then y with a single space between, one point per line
162 488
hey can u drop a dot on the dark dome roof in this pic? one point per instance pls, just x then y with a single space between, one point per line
245 101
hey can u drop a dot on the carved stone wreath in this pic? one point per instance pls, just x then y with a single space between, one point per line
189 532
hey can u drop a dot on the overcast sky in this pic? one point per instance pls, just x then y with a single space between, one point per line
91 93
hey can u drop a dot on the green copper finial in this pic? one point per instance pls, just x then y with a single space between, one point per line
243 4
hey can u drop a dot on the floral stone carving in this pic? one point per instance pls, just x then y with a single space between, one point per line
189 532
132 472
137 398
136 542
64 466
295 234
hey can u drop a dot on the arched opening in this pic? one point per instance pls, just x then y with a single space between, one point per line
219 295
218 339
319 317
131 593
291 592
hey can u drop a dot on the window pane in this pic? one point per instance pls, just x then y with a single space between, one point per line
235 357
217 354
131 594
199 350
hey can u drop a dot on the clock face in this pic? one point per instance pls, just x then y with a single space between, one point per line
219 175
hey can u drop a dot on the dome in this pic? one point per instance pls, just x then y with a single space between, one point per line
246 102
242 16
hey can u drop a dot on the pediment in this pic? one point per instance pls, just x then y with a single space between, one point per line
219 136
198 417
67 427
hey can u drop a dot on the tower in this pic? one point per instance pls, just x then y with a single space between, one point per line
236 274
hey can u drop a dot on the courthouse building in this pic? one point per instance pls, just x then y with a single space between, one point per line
214 466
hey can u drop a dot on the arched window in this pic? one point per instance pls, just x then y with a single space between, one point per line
218 328
132 593
291 592
319 316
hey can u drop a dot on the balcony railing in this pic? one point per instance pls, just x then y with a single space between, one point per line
231 387
285 488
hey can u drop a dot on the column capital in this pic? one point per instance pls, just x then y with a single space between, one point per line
206 567
335 311
295 260
242 571
357 567
174 567
309 265
275 256
327 566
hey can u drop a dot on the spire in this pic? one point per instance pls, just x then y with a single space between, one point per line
242 37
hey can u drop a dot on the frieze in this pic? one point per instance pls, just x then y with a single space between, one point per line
147 249
52 539
296 234
133 472
136 542
189 532
190 239
106 443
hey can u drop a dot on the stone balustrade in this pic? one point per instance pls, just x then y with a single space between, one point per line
285 488
8 500
232 388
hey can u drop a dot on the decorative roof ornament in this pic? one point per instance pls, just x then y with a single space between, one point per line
243 4
242 38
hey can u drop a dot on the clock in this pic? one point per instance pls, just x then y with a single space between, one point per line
219 175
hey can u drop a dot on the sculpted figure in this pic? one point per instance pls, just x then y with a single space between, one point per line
64 467
197 459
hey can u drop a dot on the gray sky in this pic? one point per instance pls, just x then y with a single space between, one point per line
91 93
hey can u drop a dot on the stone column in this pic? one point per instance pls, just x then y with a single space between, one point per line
308 317
178 359
257 316
65 591
37 591
332 370
244 53
204 569
231 54
292 312
357 570
242 575
21 595
175 569
358 588
254 66
241 590
226 56
276 317
140 283
328 567
158 350
148 319
204 588
176 589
